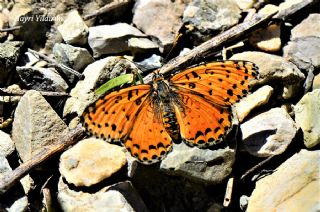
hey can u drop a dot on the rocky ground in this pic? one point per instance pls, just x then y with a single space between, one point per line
53 54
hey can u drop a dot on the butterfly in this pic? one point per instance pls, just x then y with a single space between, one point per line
194 105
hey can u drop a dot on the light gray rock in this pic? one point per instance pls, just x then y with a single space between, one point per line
95 74
142 45
268 133
74 30
35 125
119 197
294 186
76 163
9 53
307 116
267 39
6 144
160 19
45 79
19 14
245 4
308 27
316 82
111 39
212 15
74 57
153 62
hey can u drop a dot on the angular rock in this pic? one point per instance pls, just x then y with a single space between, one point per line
74 30
4 23
45 79
165 22
256 99
268 133
268 9
272 68
77 162
119 197
316 82
19 14
153 62
111 39
95 75
307 116
212 15
9 53
35 125
245 4
74 57
6 144
11 99
308 27
294 186
141 46
267 39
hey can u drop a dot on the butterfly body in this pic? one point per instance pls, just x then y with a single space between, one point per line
194 105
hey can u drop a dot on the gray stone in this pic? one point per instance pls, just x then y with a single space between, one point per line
111 39
245 4
73 57
19 12
119 197
267 39
159 19
35 126
9 53
6 144
212 15
268 133
46 79
74 30
307 116
76 163
316 82
294 186
141 46
308 27
153 62
95 74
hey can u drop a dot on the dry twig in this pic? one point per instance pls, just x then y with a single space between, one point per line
10 178
10 29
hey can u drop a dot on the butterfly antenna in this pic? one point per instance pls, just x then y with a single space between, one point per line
173 47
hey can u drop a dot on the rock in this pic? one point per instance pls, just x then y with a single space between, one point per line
74 30
199 165
95 75
268 9
254 100
274 70
77 162
119 197
165 22
141 46
308 27
316 82
267 39
307 116
212 15
294 186
111 39
153 62
268 133
244 200
287 4
11 99
9 54
245 4
73 57
19 14
4 23
6 144
35 126
45 79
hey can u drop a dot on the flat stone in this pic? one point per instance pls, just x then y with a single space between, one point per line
294 186
95 75
307 116
11 99
77 162
272 69
119 197
212 15
253 100
45 79
151 63
268 9
19 14
6 144
316 82
111 39
74 30
268 133
36 125
141 46
165 22
245 4
71 56
267 39
308 27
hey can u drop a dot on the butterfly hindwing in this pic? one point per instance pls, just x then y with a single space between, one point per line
222 83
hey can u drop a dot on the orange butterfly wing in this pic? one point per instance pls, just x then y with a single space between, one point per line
207 92
221 83
127 116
